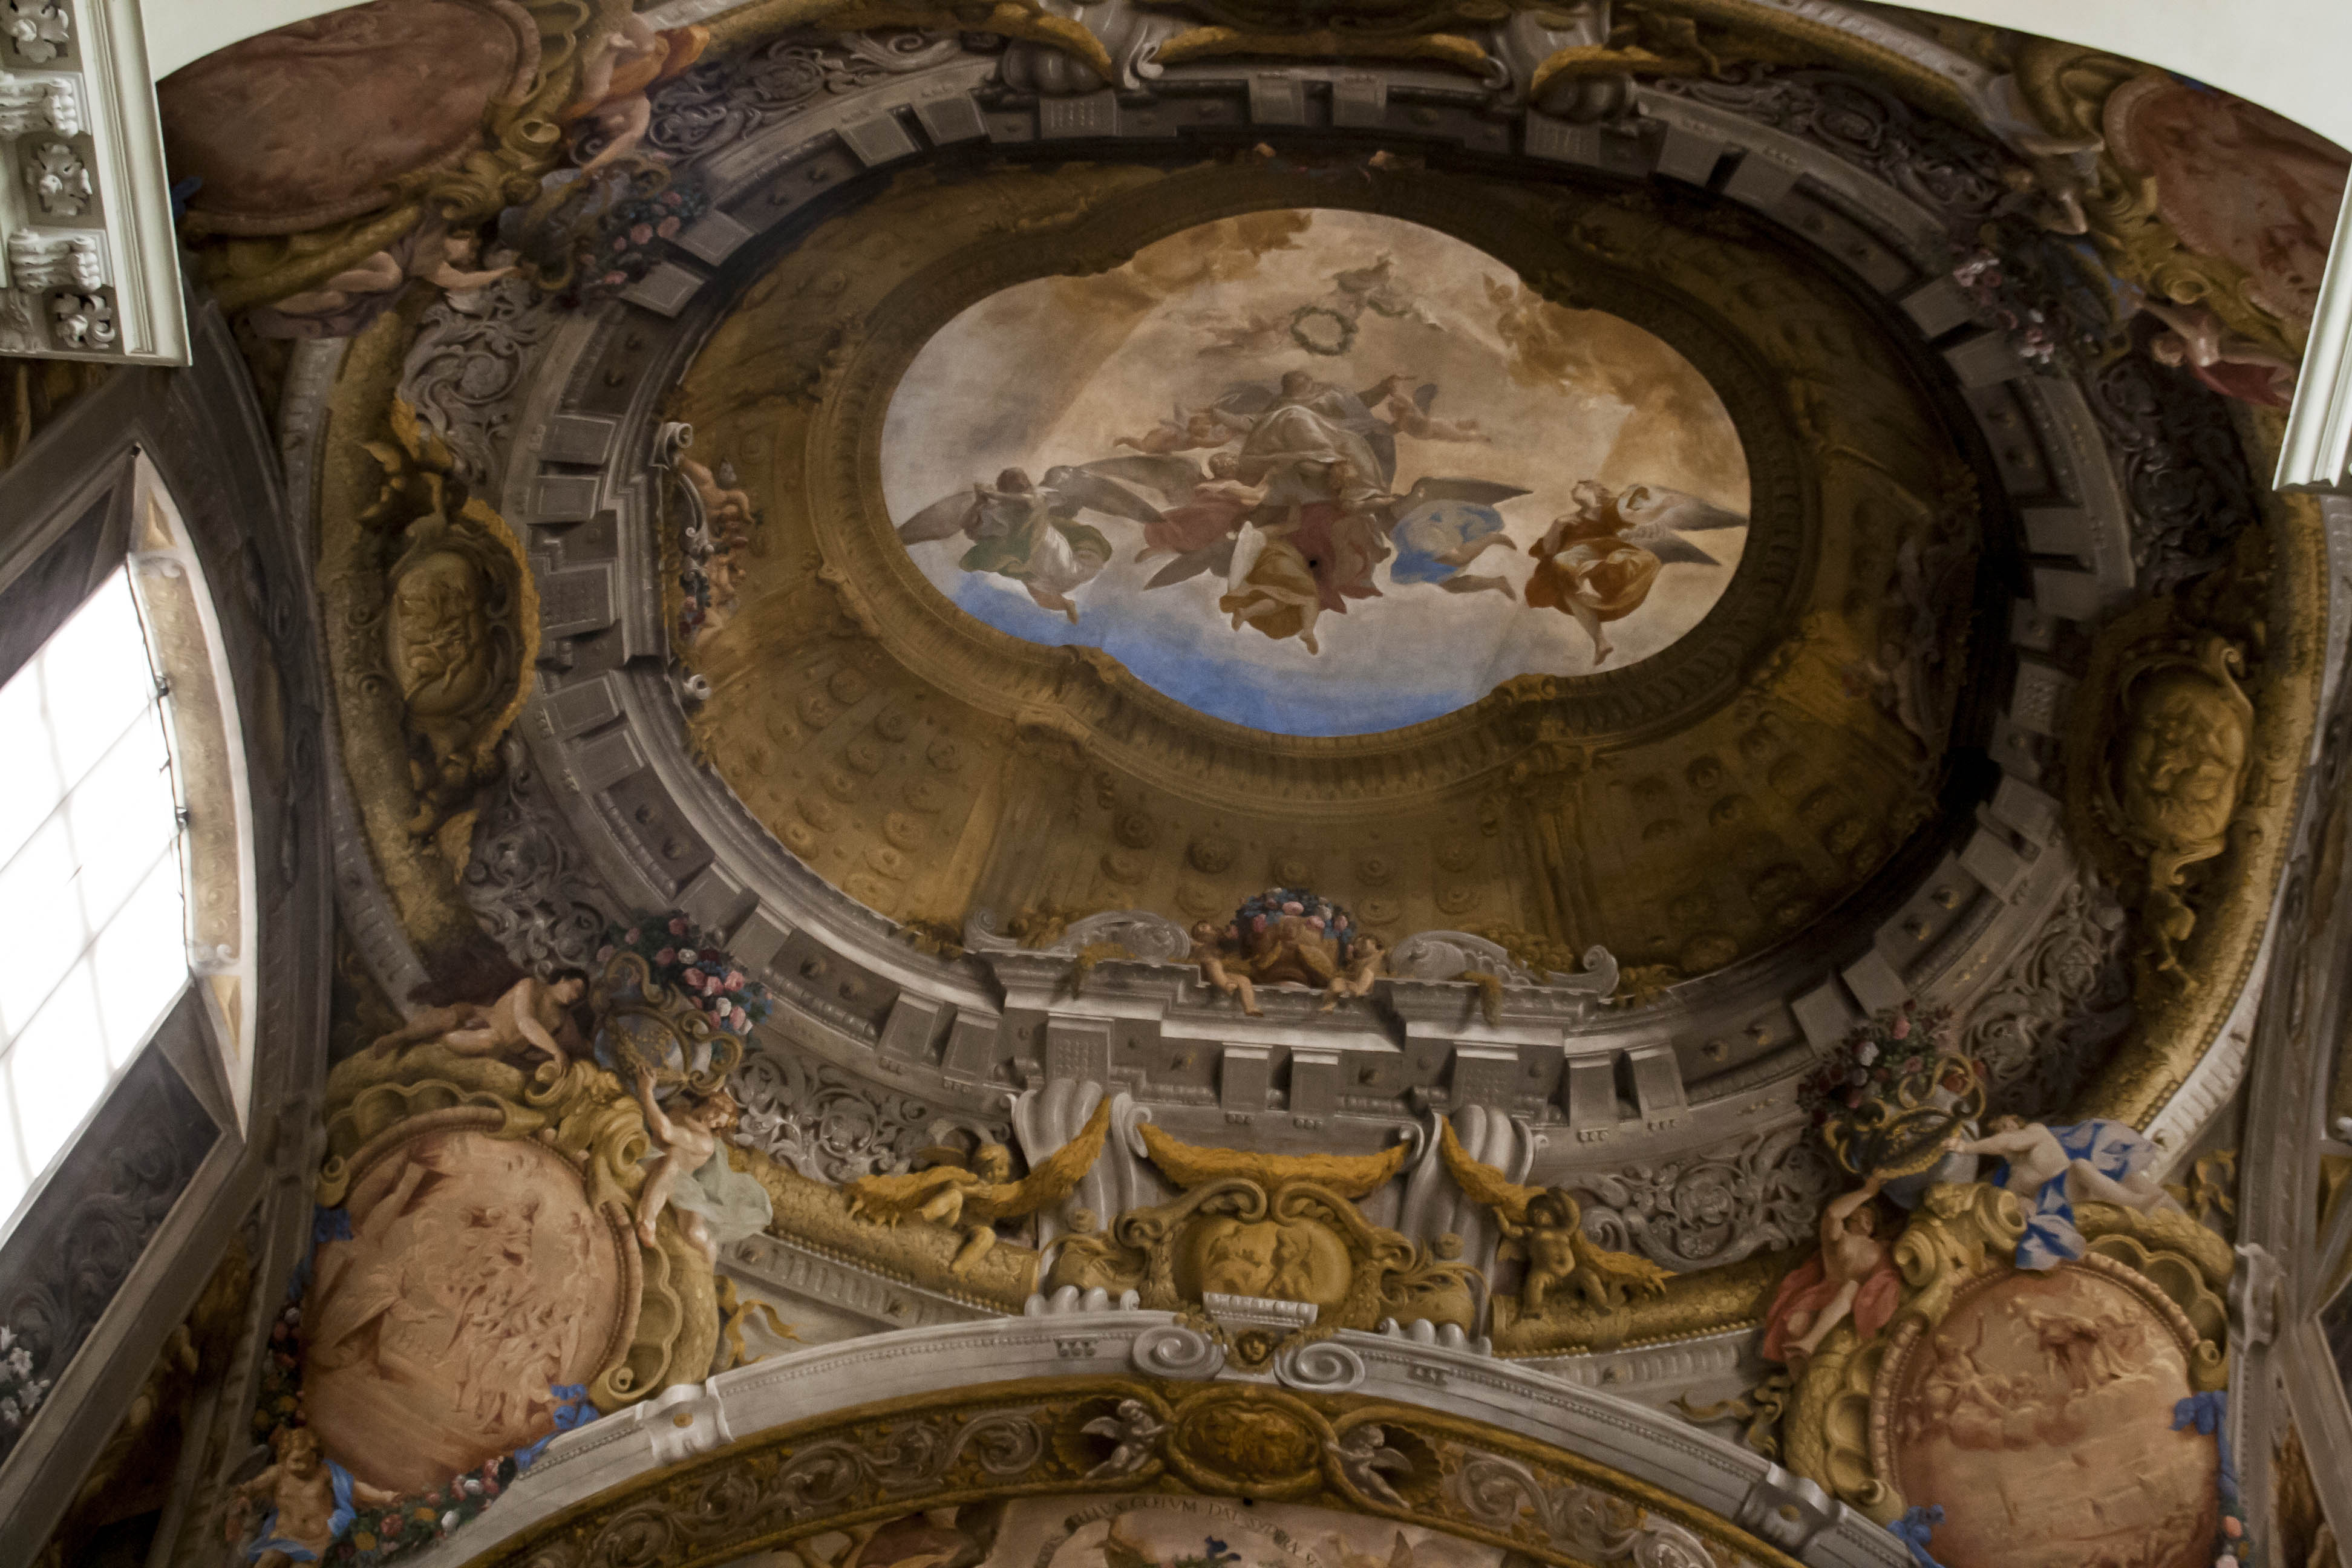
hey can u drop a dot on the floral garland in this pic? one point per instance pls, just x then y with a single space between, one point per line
690 961
1874 1056
634 235
20 1392
1263 909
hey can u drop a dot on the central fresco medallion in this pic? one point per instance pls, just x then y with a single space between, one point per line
1317 472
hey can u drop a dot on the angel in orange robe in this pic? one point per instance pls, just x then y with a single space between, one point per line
1598 562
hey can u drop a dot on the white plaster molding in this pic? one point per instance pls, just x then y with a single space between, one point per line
2316 453
679 1423
92 266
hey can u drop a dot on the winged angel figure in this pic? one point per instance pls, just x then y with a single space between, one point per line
1545 1226
1598 562
1030 531
972 1198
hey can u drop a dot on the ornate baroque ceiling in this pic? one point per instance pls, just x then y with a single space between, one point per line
1377 669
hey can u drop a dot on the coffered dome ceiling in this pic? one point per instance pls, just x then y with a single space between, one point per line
1033 724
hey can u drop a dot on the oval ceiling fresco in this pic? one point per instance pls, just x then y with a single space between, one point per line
1317 472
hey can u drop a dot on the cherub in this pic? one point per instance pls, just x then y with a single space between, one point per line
533 1015
1211 957
349 299
1852 1275
314 1501
690 1175
971 1200
1188 431
2230 362
1545 1224
620 71
1365 958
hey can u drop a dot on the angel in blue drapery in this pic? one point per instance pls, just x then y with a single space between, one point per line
2052 1169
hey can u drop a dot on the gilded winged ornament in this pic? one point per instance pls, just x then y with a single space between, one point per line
971 1198
1545 1224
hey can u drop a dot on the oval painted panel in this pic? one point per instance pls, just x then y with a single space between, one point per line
1317 472
475 1281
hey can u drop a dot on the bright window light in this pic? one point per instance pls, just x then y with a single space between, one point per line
93 909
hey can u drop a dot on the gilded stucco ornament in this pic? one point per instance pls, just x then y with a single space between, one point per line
1545 1227
480 1153
969 1201
2176 746
1100 1437
2192 719
2108 1342
519 138
2140 177
1272 1228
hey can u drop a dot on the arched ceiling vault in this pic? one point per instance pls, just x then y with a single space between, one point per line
1338 732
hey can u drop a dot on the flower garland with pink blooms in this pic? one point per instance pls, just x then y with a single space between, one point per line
1874 1056
690 961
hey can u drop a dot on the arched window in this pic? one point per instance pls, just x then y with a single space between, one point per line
114 733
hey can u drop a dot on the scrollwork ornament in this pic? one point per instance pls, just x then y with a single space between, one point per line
524 882
1178 1350
463 371
723 103
644 1025
1318 1366
831 1126
2067 995
1712 1208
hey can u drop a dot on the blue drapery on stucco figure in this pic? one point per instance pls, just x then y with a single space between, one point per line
2052 1169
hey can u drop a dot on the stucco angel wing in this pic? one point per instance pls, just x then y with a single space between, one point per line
1485 1185
1080 489
943 518
886 1200
1050 1180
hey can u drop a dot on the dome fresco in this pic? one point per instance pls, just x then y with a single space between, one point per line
1323 473
1166 785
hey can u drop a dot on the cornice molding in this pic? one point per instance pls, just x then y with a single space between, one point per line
2315 453
92 266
